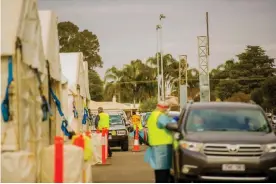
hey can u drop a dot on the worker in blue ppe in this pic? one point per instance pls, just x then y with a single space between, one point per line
159 152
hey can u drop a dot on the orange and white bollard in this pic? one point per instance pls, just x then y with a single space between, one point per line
106 143
103 147
136 145
58 169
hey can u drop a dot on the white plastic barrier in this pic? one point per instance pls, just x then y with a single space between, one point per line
96 142
105 142
87 173
73 164
18 167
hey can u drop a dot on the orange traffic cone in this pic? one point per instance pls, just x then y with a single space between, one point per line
136 145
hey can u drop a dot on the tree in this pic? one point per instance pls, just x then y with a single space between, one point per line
255 65
226 88
148 105
212 97
257 96
239 97
73 40
112 79
269 91
95 86
136 79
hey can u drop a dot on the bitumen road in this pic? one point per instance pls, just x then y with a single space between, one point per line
125 167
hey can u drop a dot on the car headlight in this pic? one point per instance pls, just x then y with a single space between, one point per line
270 148
192 146
121 132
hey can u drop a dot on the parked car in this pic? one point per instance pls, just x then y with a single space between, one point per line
219 141
118 133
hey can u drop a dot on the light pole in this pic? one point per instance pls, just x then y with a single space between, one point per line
183 58
161 56
158 64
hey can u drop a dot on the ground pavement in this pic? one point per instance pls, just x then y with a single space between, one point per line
126 167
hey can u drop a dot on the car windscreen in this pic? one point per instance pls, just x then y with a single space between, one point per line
226 119
115 119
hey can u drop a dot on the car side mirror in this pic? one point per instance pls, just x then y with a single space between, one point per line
172 127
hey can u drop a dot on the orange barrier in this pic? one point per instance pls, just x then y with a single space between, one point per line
88 134
58 169
79 141
136 145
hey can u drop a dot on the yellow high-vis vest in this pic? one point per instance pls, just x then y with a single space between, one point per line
136 120
157 136
104 121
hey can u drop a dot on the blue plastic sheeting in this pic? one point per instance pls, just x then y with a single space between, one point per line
159 157
5 106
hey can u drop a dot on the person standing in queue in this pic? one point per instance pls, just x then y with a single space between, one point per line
159 152
102 121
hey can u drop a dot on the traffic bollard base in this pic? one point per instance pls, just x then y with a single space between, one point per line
108 162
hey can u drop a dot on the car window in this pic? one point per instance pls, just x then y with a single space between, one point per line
226 120
181 116
115 119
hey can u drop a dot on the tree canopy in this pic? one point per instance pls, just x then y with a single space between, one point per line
252 76
71 39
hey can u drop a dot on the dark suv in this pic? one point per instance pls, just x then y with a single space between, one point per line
118 132
221 141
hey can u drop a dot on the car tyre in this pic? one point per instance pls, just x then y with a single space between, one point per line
124 146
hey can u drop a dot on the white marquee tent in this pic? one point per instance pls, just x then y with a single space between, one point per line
73 69
22 48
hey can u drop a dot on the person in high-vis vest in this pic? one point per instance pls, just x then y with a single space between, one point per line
159 152
136 122
102 121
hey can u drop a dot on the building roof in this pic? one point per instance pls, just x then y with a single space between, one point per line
108 106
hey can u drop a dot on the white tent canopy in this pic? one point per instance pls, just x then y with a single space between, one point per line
48 21
20 20
85 66
72 69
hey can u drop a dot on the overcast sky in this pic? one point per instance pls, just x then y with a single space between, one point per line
126 28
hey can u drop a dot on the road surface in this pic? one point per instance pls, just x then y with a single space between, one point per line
126 167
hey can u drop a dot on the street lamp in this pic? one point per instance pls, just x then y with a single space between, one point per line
158 63
162 16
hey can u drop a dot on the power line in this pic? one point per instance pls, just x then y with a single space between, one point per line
155 81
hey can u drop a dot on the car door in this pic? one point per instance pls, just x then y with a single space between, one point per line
176 138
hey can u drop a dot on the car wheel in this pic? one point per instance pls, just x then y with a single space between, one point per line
124 146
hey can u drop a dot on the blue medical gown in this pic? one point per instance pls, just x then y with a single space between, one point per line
160 157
